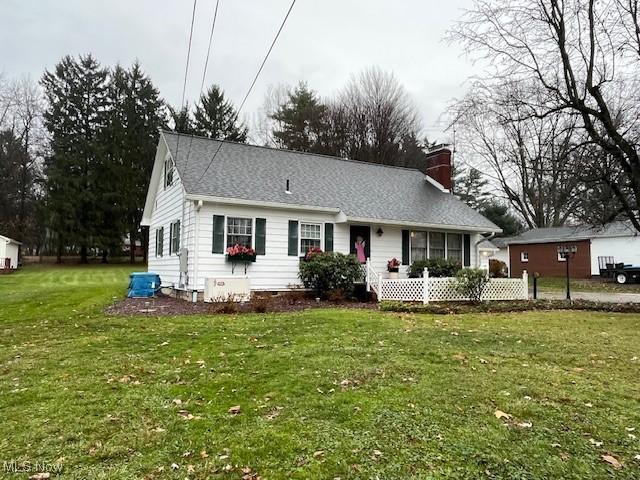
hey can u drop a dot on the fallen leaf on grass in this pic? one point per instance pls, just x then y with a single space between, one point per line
612 460
228 468
595 442
204 454
318 454
175 466
500 414
525 424
376 454
40 476
235 410
565 456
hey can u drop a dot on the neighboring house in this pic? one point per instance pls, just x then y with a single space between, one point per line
206 196
8 253
537 250
487 249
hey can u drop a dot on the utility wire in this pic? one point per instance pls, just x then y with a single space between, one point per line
255 79
206 63
204 74
186 72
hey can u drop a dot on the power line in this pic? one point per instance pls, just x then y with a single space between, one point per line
255 79
206 63
204 74
186 68
186 72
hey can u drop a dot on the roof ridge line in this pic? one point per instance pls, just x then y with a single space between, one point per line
286 150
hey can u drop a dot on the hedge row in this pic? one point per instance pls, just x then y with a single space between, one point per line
509 306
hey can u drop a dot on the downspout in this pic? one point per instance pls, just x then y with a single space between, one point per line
196 229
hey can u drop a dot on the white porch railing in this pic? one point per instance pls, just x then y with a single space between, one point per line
429 289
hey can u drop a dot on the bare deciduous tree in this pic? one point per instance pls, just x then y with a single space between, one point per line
530 160
585 56
379 114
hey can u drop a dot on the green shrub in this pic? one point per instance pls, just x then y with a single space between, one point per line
330 271
471 282
438 267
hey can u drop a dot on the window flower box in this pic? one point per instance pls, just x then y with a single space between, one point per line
240 254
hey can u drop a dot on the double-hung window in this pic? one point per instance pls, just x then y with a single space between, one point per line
174 237
418 246
168 172
159 241
436 245
310 234
239 231
454 247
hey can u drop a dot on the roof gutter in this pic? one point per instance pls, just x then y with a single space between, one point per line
437 226
258 203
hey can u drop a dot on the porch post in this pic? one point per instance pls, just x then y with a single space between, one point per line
425 286
525 282
367 275
380 287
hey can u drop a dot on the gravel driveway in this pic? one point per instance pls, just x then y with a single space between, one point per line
612 297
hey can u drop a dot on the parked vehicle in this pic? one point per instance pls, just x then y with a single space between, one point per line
619 272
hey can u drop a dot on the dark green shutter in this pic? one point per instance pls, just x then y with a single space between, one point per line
170 238
467 250
405 247
218 234
261 234
293 238
328 237
177 228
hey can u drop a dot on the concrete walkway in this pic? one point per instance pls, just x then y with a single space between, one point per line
613 297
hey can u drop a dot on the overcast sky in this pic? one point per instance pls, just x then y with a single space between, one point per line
323 43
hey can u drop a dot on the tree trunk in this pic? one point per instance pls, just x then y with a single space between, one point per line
59 252
132 247
104 256
83 254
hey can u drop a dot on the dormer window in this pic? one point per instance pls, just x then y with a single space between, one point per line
168 172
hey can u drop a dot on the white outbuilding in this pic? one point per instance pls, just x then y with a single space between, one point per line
8 252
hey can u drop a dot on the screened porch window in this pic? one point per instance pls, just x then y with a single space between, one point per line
418 246
436 245
454 247
239 231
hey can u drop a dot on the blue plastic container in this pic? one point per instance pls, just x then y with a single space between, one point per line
143 284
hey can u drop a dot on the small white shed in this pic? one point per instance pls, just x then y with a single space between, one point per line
9 252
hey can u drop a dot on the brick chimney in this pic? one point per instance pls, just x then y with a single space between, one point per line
439 166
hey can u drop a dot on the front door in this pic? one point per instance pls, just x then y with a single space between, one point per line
360 242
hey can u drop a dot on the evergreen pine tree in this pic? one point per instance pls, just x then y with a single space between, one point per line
215 117
182 120
75 118
136 113
301 121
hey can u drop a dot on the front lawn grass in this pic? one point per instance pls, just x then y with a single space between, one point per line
322 393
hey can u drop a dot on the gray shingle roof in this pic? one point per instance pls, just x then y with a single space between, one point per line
568 233
358 189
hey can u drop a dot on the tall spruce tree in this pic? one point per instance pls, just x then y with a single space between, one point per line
75 117
301 121
216 117
182 120
136 112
